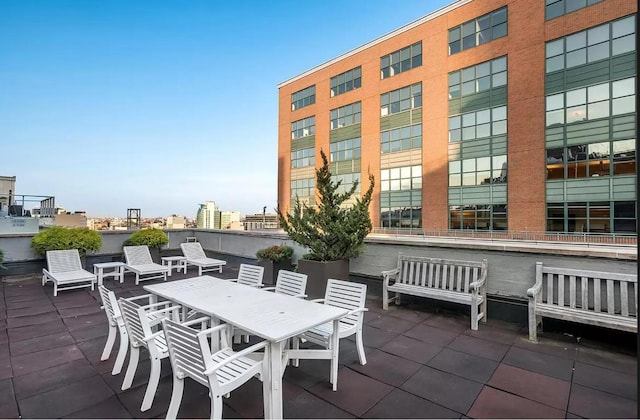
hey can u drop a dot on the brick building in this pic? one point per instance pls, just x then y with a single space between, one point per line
485 115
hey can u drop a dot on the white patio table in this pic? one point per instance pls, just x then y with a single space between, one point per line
274 317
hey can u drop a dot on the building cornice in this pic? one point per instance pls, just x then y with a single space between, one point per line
405 28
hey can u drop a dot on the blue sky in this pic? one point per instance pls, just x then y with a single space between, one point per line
162 105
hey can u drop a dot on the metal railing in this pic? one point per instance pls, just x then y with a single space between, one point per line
564 237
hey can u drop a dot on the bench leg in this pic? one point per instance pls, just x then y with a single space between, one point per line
397 299
533 325
474 316
385 299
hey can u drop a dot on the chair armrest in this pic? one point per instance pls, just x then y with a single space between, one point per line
269 288
196 321
153 336
162 311
45 272
317 300
237 355
355 311
148 296
158 304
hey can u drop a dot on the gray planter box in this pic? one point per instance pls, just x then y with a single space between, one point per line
319 272
271 270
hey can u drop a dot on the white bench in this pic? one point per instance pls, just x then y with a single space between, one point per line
448 280
589 297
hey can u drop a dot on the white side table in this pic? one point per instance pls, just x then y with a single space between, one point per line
179 262
118 271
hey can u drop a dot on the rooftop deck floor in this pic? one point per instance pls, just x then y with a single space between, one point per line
421 364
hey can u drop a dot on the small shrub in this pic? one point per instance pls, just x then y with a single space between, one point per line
152 237
275 253
59 237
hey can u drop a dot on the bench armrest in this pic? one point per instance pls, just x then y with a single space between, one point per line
533 291
389 274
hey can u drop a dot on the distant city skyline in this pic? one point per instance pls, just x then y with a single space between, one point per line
163 105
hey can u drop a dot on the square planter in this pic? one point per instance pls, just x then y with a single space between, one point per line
319 272
271 270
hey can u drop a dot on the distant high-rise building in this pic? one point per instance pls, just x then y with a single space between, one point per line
176 222
227 218
208 216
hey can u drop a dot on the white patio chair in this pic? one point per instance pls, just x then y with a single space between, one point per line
196 256
213 365
346 295
288 283
250 275
143 327
138 260
64 269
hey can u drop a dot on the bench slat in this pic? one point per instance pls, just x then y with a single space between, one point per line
610 296
596 295
624 299
459 285
560 290
572 292
431 279
584 302
437 276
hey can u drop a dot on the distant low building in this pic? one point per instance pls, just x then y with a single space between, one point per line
176 222
260 221
227 218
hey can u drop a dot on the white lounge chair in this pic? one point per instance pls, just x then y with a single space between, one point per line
347 295
143 326
64 269
196 256
214 365
138 260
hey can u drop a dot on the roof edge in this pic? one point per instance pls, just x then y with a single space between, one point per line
378 40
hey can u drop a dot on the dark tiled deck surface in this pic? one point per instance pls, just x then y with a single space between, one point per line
421 364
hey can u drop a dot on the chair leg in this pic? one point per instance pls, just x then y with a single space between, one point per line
55 288
216 407
360 345
122 352
111 339
176 398
152 387
131 369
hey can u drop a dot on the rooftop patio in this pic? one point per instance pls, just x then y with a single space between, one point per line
422 363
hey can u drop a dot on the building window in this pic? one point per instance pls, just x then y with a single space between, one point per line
401 179
401 217
594 159
302 188
345 150
346 182
479 124
592 217
344 82
478 171
401 60
478 31
598 43
556 8
345 116
478 217
400 139
304 97
591 103
303 128
302 158
478 78
399 100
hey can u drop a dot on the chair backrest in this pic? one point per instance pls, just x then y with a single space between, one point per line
110 304
193 250
136 327
63 260
250 275
188 357
290 283
347 295
137 255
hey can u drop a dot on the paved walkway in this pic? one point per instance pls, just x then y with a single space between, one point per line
421 364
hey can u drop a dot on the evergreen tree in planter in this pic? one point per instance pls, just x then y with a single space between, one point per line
332 230
152 238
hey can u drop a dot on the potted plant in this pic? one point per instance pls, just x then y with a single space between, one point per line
152 238
332 230
58 237
274 259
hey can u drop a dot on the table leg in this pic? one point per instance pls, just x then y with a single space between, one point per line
335 350
100 275
273 382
